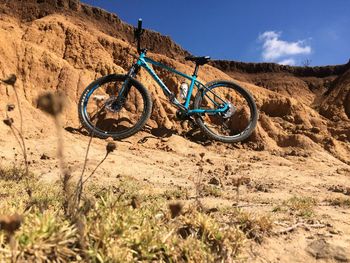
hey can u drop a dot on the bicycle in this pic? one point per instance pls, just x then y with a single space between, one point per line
119 106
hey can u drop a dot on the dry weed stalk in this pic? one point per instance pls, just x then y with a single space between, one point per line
53 105
18 133
80 185
111 146
79 215
300 224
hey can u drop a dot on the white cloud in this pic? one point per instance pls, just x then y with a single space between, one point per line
274 48
287 61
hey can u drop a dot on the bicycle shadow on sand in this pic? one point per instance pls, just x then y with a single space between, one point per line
194 135
112 125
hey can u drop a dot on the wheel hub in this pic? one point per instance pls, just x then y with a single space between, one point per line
113 105
230 111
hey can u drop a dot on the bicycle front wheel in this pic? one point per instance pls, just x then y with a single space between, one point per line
235 124
104 116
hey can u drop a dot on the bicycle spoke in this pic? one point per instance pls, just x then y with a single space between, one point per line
110 116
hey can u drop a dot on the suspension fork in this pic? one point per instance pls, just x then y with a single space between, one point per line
124 91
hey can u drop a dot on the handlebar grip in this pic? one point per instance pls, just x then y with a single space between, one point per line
139 25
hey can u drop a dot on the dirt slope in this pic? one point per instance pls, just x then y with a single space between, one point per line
56 53
323 91
89 16
301 145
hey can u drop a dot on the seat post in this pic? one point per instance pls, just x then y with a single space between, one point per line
196 70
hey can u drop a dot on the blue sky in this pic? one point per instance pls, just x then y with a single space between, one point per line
281 31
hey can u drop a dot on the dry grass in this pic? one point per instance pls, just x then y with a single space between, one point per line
254 226
176 193
210 190
339 201
113 230
12 173
298 206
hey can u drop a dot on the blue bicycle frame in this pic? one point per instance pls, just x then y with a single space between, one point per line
143 62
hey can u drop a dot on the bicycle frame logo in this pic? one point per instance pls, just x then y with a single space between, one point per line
143 62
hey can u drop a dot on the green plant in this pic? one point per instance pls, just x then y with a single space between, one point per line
298 206
176 193
210 190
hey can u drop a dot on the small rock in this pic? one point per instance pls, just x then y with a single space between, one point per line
289 118
334 232
159 216
340 189
261 188
210 161
321 249
44 157
347 191
336 189
212 210
335 118
228 167
255 158
293 153
214 181
315 130
343 137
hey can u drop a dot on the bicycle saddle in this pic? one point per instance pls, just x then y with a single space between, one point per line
199 60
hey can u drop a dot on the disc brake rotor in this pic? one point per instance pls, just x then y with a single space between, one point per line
112 105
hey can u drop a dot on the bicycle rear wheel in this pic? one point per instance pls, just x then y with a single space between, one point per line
234 125
101 113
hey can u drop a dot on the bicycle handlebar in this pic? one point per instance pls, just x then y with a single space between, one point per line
139 25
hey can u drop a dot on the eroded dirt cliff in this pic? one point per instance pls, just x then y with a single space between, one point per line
64 45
